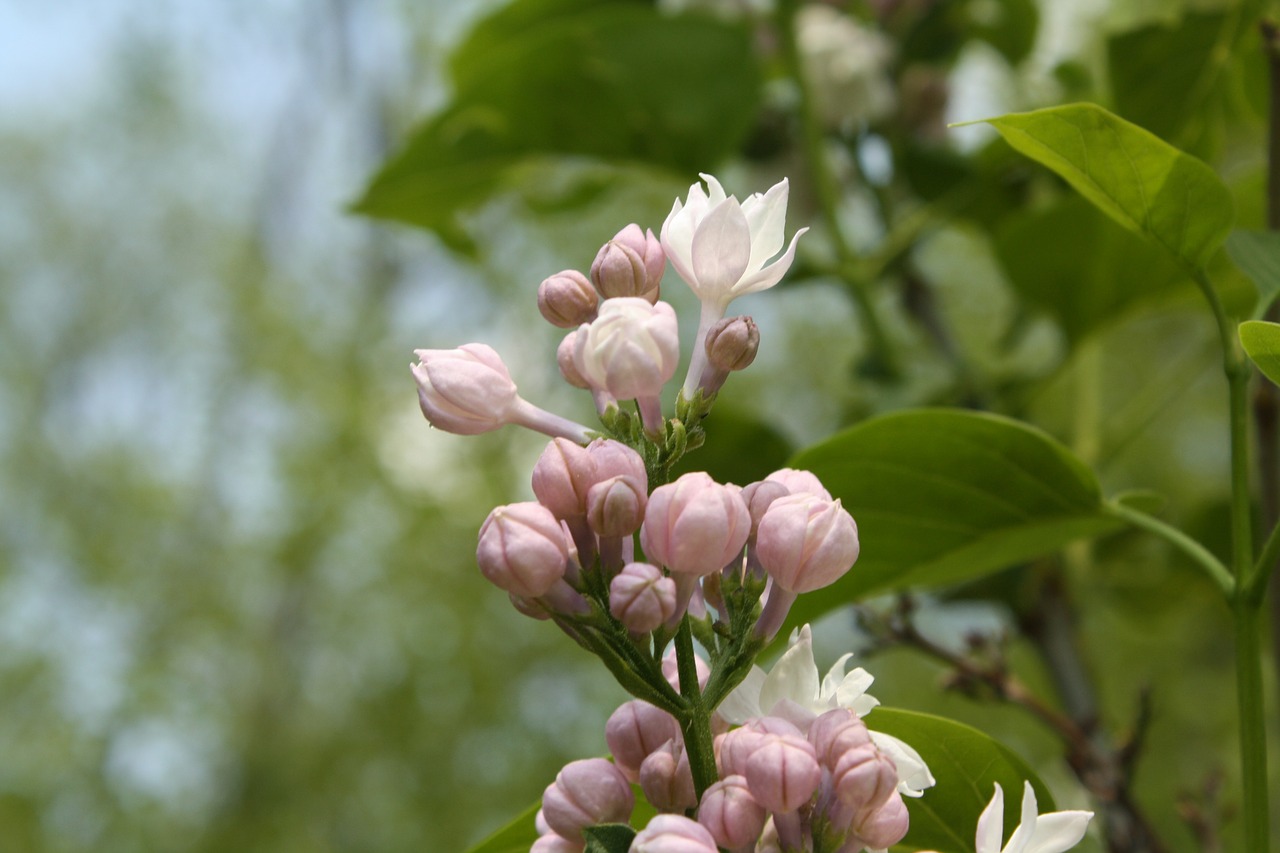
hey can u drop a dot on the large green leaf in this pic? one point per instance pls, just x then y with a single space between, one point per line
1257 254
515 837
1142 182
1075 263
943 495
1261 341
564 80
966 764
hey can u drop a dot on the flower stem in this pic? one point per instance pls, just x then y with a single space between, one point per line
695 721
1184 543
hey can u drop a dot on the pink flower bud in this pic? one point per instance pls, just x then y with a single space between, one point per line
732 816
630 350
585 793
615 507
783 772
641 598
562 476
835 733
631 264
552 843
564 359
567 299
735 748
881 828
615 459
671 669
805 542
666 779
759 495
522 549
799 481
732 343
669 833
695 526
634 731
466 390
864 778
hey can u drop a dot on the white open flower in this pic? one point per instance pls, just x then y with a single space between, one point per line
724 249
1037 833
792 690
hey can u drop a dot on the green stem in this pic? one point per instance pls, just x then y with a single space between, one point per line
1184 543
1256 589
695 721
1245 607
825 190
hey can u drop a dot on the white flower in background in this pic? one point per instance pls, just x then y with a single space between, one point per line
846 65
792 690
1037 833
724 249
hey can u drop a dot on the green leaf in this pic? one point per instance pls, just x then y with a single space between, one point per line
1075 263
1257 254
515 837
943 496
608 838
566 81
1261 341
1142 182
966 764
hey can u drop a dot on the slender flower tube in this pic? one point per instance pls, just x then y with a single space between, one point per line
722 249
469 390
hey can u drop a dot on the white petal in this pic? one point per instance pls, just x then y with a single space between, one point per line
852 689
721 249
743 703
794 676
771 274
913 773
1058 831
990 833
1026 830
677 240
767 215
715 192
832 680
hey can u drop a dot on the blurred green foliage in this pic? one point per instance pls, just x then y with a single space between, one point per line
238 605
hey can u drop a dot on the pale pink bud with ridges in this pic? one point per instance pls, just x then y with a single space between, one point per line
798 481
641 597
669 833
553 843
465 391
615 507
631 264
666 779
805 542
631 349
731 814
634 731
615 459
586 793
835 733
734 748
695 526
881 828
759 495
783 772
567 299
562 476
522 549
564 360
731 344
863 778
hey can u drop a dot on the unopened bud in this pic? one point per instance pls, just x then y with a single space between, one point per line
630 350
615 507
759 495
805 542
586 793
634 731
641 598
669 833
731 814
562 476
783 772
884 827
835 733
666 779
564 360
864 778
695 526
631 264
567 299
797 480
522 549
732 343
550 842
465 390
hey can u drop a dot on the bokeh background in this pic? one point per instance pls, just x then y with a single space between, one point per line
238 604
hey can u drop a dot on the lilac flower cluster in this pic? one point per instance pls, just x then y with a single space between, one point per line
635 566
